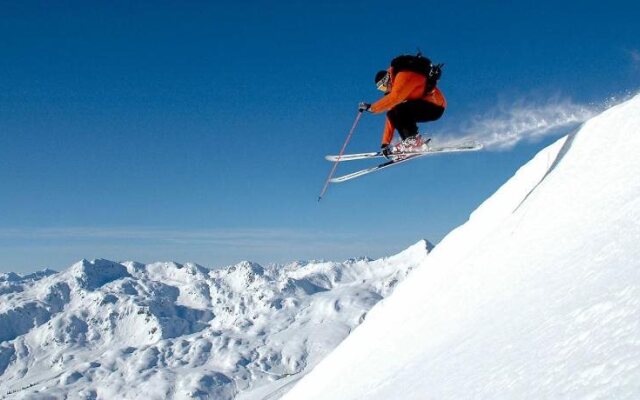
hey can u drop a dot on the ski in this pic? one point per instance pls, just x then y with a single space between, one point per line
350 157
402 157
431 150
378 167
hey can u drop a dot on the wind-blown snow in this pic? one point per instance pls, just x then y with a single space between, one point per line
503 128
537 296
110 330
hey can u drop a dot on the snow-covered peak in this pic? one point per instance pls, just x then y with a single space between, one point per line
536 296
411 253
9 277
13 277
103 329
91 275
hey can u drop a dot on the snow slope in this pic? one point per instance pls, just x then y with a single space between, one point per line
537 296
110 330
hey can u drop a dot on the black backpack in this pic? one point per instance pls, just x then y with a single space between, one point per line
421 65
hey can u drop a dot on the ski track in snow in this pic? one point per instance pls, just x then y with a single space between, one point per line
107 330
537 296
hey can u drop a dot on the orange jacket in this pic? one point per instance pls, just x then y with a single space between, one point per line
406 85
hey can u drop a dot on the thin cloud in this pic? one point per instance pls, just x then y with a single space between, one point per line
60 247
215 246
196 236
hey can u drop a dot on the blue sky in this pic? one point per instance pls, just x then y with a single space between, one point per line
195 131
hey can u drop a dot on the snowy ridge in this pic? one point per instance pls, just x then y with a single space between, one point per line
102 329
536 296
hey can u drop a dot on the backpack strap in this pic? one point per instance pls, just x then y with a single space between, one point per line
433 77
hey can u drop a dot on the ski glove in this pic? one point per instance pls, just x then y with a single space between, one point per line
364 107
386 150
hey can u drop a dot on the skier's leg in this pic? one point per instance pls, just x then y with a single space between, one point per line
387 135
425 111
403 118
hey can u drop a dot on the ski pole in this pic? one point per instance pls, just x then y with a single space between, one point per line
344 146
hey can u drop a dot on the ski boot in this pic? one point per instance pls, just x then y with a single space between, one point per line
412 144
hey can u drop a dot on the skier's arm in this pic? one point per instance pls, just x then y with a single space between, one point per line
404 84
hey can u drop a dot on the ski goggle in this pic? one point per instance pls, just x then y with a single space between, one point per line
383 84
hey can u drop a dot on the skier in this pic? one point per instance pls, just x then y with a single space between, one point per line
410 96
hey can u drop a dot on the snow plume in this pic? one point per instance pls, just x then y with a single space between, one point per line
504 128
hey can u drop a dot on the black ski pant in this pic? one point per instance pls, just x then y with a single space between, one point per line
405 116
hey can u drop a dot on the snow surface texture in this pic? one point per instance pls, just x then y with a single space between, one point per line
109 330
537 296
